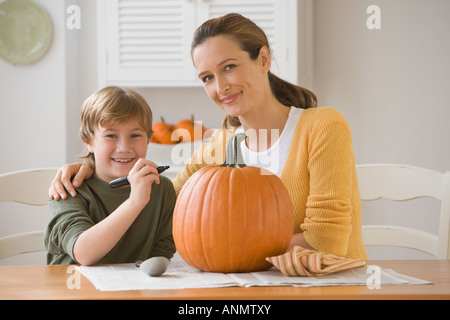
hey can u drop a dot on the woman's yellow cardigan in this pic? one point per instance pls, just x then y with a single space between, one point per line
319 175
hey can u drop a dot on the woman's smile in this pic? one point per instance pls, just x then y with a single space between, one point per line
231 98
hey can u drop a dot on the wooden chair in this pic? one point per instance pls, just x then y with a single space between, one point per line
28 187
400 183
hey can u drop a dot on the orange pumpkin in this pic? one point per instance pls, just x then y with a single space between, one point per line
164 133
189 129
230 218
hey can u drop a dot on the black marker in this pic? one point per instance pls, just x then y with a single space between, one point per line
124 180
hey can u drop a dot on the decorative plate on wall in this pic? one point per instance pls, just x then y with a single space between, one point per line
25 31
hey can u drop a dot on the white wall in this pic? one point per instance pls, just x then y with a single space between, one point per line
32 98
39 115
33 112
391 84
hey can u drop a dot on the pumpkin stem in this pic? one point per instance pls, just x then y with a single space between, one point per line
233 154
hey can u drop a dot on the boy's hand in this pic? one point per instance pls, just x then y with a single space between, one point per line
141 177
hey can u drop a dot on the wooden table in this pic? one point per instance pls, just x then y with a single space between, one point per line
54 282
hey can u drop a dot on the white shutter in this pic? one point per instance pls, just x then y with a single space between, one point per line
151 33
262 12
147 42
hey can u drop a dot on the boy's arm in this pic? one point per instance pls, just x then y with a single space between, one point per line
164 244
94 243
69 220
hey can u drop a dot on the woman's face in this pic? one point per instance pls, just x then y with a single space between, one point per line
231 79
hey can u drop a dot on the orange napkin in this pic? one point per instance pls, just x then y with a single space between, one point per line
310 263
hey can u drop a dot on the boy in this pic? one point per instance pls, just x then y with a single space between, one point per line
103 225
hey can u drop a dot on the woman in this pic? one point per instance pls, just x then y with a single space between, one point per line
309 148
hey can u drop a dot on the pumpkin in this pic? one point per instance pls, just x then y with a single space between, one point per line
164 133
189 129
229 218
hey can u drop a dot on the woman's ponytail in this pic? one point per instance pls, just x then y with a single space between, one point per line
290 94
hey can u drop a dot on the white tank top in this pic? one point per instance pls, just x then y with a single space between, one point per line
274 158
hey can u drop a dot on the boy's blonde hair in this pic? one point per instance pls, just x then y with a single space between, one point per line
109 106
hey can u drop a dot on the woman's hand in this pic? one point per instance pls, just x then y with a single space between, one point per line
63 183
298 239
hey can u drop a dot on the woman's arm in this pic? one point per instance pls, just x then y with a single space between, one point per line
63 183
328 222
209 153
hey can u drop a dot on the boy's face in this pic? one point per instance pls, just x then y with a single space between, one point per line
117 147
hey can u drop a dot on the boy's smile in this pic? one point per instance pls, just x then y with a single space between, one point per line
117 147
123 160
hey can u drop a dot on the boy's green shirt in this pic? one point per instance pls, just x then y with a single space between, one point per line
150 235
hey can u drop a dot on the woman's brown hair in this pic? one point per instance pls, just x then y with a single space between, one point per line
251 39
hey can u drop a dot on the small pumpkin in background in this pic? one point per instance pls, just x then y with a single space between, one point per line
190 130
229 218
164 133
